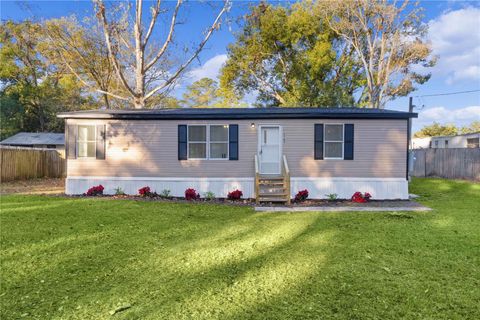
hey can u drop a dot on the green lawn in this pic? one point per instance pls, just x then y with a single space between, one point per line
83 258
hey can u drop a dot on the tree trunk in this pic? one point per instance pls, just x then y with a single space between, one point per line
107 102
139 102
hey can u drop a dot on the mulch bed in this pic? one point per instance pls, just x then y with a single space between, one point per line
251 202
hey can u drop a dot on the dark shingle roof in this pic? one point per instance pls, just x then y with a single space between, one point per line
34 138
240 113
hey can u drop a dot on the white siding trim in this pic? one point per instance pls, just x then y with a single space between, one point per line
380 188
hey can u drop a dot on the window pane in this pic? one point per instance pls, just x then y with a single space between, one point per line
197 150
218 150
86 149
91 149
86 133
218 133
333 149
197 133
333 132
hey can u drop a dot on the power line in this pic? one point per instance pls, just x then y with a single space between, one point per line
446 94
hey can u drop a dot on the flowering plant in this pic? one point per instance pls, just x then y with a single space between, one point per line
361 197
94 191
301 195
191 194
144 192
235 195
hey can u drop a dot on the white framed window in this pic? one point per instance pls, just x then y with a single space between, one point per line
86 143
208 142
333 141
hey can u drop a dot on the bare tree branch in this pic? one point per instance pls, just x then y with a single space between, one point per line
155 12
168 39
213 27
103 19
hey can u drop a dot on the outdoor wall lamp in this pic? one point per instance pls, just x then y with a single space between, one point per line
252 125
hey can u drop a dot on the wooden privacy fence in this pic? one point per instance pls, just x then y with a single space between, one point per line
28 163
447 163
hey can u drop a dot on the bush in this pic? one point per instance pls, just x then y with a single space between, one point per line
301 196
332 196
235 195
191 194
95 191
119 191
144 192
361 197
166 193
209 196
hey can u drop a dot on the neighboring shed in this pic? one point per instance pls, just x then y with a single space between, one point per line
468 140
36 140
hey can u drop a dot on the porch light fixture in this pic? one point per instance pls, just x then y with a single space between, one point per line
252 125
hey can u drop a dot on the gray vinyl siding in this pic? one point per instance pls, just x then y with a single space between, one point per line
141 148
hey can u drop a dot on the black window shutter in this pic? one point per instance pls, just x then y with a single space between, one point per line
348 142
233 141
100 145
318 144
71 141
182 142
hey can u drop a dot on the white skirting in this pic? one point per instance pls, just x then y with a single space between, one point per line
318 188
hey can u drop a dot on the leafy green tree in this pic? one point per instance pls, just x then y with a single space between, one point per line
290 58
205 93
202 93
32 89
437 129
472 128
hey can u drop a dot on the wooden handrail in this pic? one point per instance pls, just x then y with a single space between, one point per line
286 178
285 165
257 181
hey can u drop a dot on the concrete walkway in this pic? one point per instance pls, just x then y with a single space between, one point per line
340 209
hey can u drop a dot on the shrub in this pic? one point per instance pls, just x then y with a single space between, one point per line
191 194
301 195
209 196
332 196
144 192
95 191
235 195
361 197
119 191
166 193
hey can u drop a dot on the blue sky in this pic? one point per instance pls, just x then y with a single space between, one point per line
454 33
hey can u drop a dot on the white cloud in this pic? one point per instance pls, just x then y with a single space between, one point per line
442 115
210 69
455 37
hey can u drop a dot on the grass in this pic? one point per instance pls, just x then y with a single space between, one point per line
87 258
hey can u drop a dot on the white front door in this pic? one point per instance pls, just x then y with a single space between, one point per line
270 144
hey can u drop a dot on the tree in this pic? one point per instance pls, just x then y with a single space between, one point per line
32 89
474 127
202 93
291 58
132 54
436 129
82 52
388 41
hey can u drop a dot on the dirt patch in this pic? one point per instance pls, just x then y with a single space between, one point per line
33 186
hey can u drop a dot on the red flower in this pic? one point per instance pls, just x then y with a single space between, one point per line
191 194
235 195
95 191
361 198
301 196
145 191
